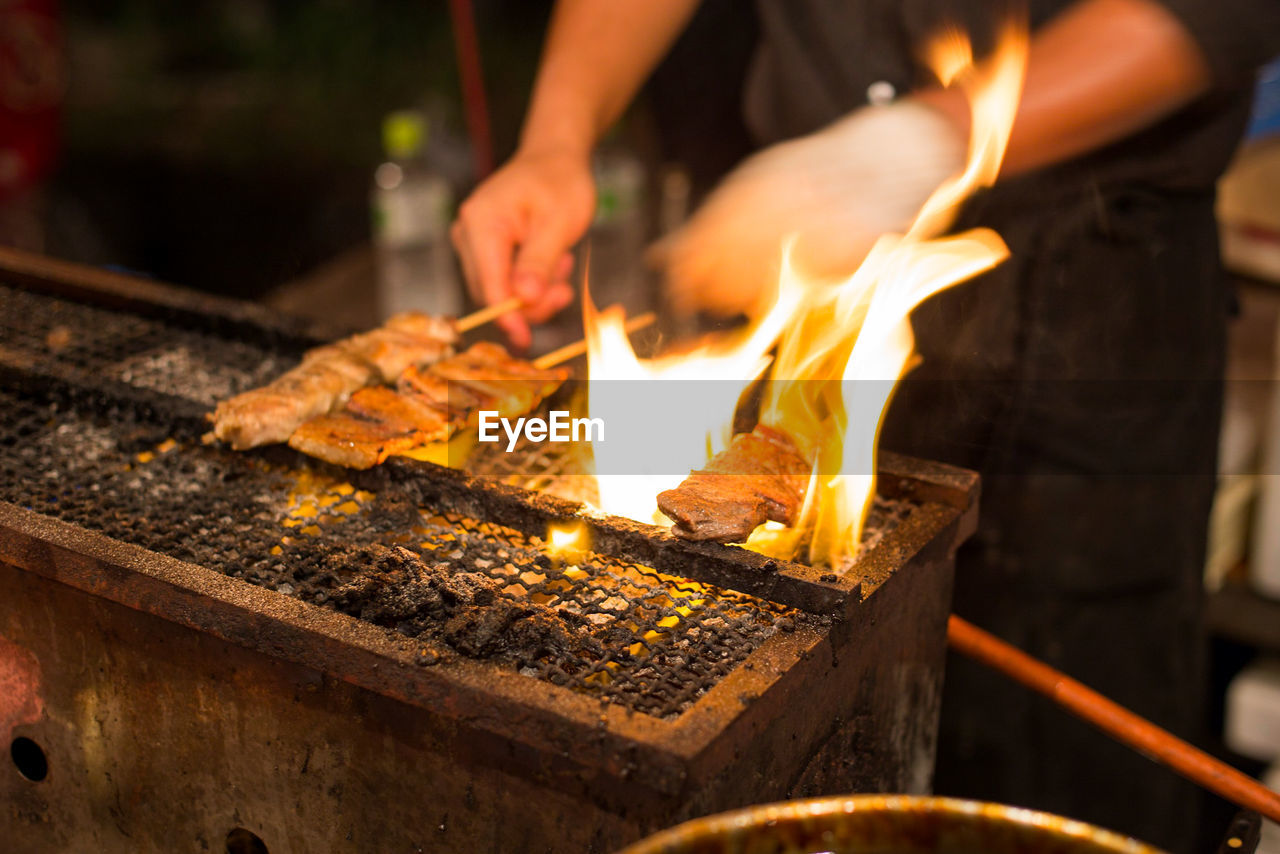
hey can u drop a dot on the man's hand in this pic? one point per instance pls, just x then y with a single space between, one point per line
514 232
835 191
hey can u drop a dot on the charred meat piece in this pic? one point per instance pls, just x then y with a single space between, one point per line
454 398
407 339
426 407
349 440
376 423
511 386
379 403
760 476
270 414
328 375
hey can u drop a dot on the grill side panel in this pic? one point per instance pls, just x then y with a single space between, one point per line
161 738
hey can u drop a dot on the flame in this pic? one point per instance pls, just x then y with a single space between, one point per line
721 369
841 348
569 541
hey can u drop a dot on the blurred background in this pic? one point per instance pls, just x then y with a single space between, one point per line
234 146
309 154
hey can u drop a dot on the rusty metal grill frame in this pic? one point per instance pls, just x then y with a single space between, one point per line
617 760
242 516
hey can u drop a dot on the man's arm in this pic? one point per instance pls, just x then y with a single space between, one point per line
1100 71
513 233
596 56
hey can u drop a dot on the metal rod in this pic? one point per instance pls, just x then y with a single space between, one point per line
1115 720
577 348
486 314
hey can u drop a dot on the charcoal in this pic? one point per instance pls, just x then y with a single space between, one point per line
112 444
480 632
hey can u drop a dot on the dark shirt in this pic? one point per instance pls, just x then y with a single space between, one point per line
1082 378
817 59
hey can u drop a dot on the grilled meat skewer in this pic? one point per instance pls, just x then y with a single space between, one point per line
427 406
761 476
328 375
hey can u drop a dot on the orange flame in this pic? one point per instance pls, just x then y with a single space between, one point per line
721 368
840 348
568 541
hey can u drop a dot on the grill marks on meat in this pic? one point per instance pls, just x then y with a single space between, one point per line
760 477
498 380
426 406
396 588
407 339
375 424
328 375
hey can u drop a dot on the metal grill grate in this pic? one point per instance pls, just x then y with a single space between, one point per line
651 642
92 343
628 634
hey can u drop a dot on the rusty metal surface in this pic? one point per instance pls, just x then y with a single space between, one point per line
317 733
178 365
872 824
846 701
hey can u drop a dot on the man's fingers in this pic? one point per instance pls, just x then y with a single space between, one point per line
538 259
551 303
558 294
516 328
563 268
485 253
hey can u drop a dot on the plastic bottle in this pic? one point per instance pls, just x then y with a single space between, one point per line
412 206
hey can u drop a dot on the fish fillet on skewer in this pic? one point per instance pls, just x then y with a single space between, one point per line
328 375
761 476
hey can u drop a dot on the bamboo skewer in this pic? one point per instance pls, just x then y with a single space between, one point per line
486 314
1113 719
577 348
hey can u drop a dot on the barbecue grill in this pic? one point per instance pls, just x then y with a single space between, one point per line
199 653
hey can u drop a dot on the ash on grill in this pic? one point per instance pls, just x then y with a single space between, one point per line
395 587
625 633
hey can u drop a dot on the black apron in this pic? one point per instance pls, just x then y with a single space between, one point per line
1082 378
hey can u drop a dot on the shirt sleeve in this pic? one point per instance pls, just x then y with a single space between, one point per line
1237 37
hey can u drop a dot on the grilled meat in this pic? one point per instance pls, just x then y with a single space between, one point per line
375 424
511 386
379 403
426 406
328 375
760 476
270 414
433 390
407 339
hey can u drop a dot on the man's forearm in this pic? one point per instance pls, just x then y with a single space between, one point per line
597 54
1102 70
